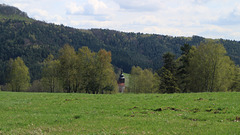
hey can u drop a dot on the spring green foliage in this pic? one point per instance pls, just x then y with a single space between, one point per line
50 76
105 71
205 68
142 81
9 12
61 113
96 72
210 69
82 71
236 80
19 79
88 70
68 68
34 40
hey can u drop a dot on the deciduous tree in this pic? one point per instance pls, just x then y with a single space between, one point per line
19 78
88 70
236 80
68 68
105 72
50 74
210 69
143 81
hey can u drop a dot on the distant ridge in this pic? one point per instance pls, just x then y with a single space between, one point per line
34 40
10 10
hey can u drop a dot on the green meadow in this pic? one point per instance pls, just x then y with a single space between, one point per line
62 113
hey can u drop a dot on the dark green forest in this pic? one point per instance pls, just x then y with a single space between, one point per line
33 41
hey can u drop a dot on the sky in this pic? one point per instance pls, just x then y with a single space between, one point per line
207 18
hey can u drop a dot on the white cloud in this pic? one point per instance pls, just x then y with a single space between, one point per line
93 9
44 15
230 18
167 31
89 7
146 20
139 5
213 31
40 12
236 11
98 6
21 5
200 1
235 35
73 8
208 18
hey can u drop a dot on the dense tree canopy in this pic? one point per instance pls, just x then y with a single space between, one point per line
203 68
82 71
143 81
19 79
50 74
34 40
182 73
168 74
68 68
210 69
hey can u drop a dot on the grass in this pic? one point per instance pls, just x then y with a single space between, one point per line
61 113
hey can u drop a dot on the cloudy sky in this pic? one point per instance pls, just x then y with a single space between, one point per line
207 18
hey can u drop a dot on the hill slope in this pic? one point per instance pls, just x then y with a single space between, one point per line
9 12
33 40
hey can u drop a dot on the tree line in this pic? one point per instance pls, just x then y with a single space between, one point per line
33 40
202 68
81 71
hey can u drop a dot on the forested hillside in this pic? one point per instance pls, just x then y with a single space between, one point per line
33 41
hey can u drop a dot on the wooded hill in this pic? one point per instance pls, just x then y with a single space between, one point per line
34 40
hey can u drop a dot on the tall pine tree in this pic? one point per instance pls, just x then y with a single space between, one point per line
167 74
182 72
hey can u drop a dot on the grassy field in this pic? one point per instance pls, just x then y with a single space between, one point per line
46 113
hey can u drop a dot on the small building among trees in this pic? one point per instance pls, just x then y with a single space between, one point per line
121 82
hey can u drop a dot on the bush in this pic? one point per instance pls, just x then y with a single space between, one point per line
36 86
